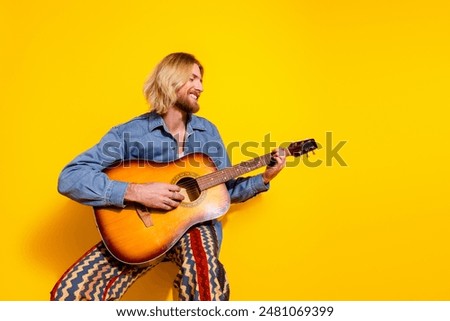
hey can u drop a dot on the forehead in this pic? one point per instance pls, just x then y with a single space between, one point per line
196 71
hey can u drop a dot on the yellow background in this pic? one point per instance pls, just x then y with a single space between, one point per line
373 73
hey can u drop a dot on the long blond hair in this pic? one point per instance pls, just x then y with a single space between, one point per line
167 78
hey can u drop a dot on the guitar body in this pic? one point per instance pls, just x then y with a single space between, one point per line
140 235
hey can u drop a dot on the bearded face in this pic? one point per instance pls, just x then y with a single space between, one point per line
189 94
188 101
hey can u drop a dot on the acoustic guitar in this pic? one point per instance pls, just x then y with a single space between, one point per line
139 235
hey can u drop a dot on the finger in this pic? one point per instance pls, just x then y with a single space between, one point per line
279 152
167 207
164 205
280 163
169 187
172 203
278 159
273 161
177 196
273 158
169 191
174 188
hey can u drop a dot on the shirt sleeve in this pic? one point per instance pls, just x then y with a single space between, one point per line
244 188
83 179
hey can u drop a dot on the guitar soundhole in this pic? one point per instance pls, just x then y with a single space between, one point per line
191 186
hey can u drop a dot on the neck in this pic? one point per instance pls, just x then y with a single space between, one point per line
175 119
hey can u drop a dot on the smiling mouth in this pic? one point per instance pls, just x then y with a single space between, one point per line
194 95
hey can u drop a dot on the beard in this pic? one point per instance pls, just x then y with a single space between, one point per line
187 104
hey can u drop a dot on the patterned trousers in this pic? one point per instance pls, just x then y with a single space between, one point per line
99 276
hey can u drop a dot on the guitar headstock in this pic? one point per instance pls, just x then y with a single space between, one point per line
302 147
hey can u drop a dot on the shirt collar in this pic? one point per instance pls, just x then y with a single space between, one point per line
156 121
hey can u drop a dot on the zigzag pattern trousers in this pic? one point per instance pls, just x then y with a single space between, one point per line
99 276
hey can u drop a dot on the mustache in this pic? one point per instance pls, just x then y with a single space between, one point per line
195 92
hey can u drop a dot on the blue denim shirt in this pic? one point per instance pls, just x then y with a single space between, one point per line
146 137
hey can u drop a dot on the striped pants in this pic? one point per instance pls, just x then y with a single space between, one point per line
98 276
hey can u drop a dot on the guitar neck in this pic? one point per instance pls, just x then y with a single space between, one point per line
226 174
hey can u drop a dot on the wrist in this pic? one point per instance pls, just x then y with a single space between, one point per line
130 193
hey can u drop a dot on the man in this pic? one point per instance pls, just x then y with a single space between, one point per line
169 131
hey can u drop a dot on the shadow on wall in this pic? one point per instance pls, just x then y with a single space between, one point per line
58 242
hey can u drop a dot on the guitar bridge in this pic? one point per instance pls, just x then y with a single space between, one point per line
144 214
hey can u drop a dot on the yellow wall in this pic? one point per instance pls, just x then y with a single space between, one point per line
372 73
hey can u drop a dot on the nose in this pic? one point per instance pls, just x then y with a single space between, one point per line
199 86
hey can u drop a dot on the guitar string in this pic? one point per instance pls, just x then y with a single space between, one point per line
218 177
221 176
214 178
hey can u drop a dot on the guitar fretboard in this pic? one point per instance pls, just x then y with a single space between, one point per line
224 175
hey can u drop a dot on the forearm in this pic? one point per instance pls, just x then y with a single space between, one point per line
91 188
244 188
